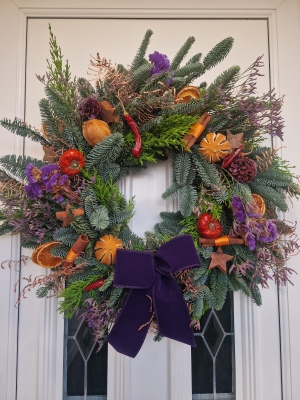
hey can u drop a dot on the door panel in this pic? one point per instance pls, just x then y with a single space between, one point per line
147 376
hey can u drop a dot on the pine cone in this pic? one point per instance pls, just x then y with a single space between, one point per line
90 108
243 169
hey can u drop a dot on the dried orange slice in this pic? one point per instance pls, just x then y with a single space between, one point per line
35 252
214 147
44 258
187 93
259 203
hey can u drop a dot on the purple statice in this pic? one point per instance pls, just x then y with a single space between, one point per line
268 232
250 225
48 179
34 189
238 209
99 317
161 63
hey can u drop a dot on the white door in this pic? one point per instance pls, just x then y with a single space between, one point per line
161 371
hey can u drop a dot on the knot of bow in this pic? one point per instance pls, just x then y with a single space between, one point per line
150 277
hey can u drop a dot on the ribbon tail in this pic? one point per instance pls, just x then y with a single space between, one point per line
171 311
130 329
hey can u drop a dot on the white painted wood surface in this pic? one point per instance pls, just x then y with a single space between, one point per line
40 330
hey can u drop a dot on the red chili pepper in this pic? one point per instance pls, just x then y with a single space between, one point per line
232 156
94 285
136 151
71 161
208 226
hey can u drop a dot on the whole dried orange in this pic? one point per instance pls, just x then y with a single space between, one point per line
106 248
214 147
44 258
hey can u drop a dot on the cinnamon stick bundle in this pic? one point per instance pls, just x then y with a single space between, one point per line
195 131
76 250
221 241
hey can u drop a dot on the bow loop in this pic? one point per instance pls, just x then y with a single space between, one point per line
177 254
134 269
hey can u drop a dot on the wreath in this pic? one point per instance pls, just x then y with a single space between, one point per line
68 208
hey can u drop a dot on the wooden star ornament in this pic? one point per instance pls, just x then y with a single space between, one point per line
234 140
67 216
219 260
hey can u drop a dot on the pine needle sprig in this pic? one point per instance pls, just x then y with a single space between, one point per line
218 53
16 166
182 52
139 58
19 127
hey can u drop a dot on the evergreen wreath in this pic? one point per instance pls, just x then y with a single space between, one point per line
69 209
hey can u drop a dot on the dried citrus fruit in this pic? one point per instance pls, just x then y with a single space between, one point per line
35 252
44 258
186 94
214 147
259 202
106 247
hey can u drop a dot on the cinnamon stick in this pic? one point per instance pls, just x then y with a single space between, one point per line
221 241
195 131
76 250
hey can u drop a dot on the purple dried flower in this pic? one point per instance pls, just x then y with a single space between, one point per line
238 209
90 108
161 64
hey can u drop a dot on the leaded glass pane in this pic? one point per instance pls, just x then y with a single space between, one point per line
213 358
85 368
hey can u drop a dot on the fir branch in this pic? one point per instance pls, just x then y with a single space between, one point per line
66 235
188 69
114 297
84 88
151 124
210 176
61 250
187 199
218 53
255 295
182 52
82 227
107 283
156 82
141 75
182 166
270 195
195 59
21 129
107 150
218 287
5 228
16 167
139 58
224 81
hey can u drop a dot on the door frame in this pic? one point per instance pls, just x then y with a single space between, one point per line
247 335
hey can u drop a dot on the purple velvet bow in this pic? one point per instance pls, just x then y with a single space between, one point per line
150 281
